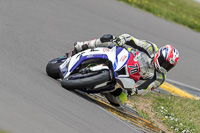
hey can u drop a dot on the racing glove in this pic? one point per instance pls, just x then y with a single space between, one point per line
120 41
132 92
80 46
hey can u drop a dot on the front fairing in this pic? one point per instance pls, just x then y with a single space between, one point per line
121 58
117 55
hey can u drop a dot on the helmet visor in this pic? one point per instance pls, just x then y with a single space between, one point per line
164 63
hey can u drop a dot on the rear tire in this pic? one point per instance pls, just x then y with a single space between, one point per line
86 82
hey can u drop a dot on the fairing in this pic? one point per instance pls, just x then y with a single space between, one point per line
119 57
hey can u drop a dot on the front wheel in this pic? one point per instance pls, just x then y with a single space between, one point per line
52 68
83 81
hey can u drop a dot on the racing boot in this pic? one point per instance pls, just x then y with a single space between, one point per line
117 97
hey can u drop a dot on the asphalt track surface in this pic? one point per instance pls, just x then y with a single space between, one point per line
33 32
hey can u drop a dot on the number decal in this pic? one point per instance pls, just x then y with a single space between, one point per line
135 69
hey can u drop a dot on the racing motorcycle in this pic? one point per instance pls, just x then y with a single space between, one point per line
96 70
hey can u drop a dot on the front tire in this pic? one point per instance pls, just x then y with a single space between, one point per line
52 68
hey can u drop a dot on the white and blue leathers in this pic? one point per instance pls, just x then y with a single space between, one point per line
152 78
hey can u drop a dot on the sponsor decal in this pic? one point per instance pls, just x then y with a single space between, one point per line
89 56
123 58
137 57
106 50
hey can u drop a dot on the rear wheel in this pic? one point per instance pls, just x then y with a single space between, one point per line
83 81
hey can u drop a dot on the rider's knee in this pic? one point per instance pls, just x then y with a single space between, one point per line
117 97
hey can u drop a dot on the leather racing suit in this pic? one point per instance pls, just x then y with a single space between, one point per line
152 78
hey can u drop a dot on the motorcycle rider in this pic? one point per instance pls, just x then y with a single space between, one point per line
153 67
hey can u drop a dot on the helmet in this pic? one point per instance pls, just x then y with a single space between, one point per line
166 58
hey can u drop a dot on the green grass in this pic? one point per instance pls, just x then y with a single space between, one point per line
1 131
184 12
144 114
178 114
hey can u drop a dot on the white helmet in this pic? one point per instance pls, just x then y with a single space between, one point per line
166 58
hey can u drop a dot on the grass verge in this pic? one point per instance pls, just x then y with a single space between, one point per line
1 131
185 12
169 113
